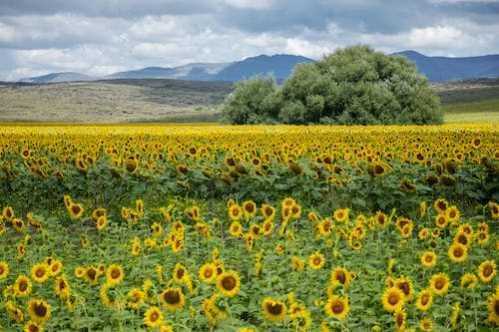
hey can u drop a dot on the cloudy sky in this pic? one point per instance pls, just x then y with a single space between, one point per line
99 37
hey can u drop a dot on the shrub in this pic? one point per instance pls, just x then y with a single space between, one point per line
355 85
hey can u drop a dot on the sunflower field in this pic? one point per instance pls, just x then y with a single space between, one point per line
249 228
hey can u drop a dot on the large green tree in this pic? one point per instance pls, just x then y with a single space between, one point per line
355 85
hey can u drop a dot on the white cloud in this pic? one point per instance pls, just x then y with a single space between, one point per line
250 4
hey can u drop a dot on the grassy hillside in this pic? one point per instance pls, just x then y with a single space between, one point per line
113 101
164 100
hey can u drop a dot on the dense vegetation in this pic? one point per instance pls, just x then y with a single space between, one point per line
355 85
249 228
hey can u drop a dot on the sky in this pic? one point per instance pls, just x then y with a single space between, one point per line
99 37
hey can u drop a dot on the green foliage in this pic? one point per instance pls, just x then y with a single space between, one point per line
355 85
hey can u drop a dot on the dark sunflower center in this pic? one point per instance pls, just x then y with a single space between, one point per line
23 285
40 309
172 297
340 276
425 299
496 307
208 272
229 283
337 307
115 273
154 316
439 284
393 299
317 261
404 287
487 271
274 308
75 209
429 258
180 273
91 273
40 272
458 252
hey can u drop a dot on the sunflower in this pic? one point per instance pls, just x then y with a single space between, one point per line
208 273
297 263
400 318
32 327
273 310
135 250
61 287
101 223
487 271
393 299
426 324
316 261
8 213
39 310
172 298
75 211
341 215
463 238
55 267
235 229
255 230
22 286
428 259
249 209
165 328
228 283
267 227
91 275
455 316
268 212
114 274
405 285
340 276
235 212
325 227
440 205
79 272
441 221
40 272
153 317
452 214
179 273
439 284
458 253
337 307
493 308
469 280
381 219
424 300
423 233
135 298
4 270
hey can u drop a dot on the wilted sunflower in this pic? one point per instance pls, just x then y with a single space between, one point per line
393 299
316 261
208 273
469 280
153 317
428 259
273 310
228 283
440 283
487 271
91 275
172 298
114 274
39 310
337 307
457 253
424 300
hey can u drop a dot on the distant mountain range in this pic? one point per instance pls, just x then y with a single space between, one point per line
280 66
